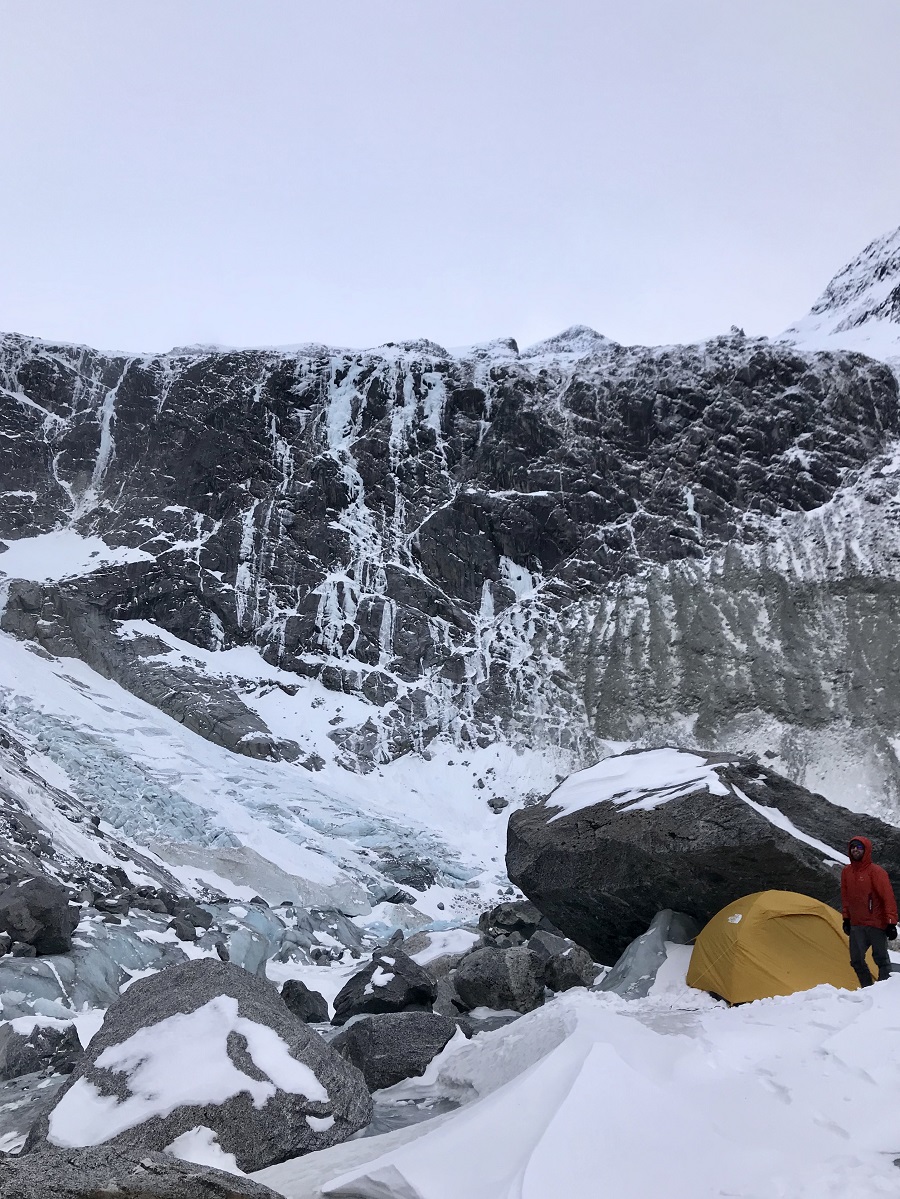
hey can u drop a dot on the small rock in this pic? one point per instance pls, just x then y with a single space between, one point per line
501 979
307 1005
37 911
182 930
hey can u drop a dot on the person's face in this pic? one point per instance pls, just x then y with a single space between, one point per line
856 851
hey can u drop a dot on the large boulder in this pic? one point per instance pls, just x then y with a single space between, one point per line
391 982
101 1172
502 979
393 1046
207 1045
37 911
687 830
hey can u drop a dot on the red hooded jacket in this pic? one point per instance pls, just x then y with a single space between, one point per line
866 891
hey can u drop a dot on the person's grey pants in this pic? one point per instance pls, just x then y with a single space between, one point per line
861 939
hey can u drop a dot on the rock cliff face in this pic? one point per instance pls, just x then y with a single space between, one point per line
575 541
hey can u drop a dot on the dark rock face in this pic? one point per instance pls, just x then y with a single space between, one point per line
391 982
94 1173
501 979
309 1006
566 964
235 1016
36 911
44 1048
518 917
403 523
393 1046
602 873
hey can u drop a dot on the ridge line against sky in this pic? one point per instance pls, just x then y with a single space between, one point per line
184 171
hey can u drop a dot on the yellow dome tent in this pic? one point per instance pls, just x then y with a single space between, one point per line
771 943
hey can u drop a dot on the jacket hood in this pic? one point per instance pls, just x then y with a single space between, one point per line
866 859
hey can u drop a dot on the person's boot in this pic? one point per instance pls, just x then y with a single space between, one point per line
865 978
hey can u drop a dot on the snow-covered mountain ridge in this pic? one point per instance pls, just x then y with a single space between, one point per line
457 573
860 308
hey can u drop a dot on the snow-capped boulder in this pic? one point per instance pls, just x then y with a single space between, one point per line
667 828
46 1044
635 972
391 982
101 1171
501 979
207 1045
38 912
439 952
308 1005
394 1045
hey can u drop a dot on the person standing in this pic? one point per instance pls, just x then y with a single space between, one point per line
870 911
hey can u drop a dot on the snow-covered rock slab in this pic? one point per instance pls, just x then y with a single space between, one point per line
792 1096
668 828
207 1045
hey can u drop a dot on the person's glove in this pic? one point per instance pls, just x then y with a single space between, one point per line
846 927
891 931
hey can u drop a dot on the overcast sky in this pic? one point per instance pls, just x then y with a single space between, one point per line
356 171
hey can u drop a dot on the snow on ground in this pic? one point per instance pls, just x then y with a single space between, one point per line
674 1095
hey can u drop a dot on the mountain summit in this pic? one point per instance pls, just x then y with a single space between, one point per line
860 308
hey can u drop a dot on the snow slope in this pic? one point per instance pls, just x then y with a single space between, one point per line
675 1095
270 827
860 308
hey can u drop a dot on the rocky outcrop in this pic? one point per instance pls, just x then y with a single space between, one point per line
430 532
92 1173
394 1046
207 1045
619 842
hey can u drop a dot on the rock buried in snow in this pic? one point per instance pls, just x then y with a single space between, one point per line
36 911
207 1045
101 1172
391 982
393 1046
667 828
501 979
309 1006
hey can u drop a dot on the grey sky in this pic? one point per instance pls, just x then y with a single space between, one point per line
356 171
